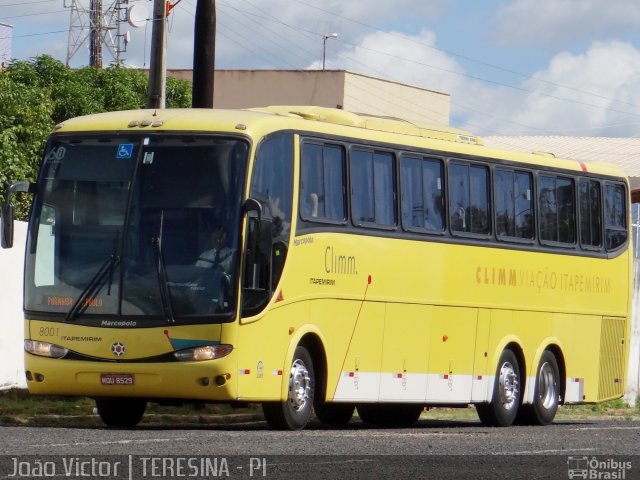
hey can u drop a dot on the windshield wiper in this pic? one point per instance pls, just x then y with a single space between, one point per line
163 281
94 285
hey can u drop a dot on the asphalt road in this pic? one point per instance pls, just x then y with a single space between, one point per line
432 449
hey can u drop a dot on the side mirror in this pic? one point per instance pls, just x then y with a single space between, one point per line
6 232
7 226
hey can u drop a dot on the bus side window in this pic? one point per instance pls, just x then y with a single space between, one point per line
615 216
524 211
372 188
469 198
422 193
590 200
556 203
322 182
514 204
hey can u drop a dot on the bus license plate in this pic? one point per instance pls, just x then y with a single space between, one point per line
117 378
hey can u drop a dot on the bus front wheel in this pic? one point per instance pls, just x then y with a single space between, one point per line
505 401
546 396
121 412
295 411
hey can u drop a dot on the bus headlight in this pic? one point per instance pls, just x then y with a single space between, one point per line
45 349
198 354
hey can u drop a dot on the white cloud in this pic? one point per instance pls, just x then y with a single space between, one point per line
554 21
288 33
283 34
402 58
384 10
593 93
589 94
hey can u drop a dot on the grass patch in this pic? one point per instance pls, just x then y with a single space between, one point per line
18 407
20 402
617 408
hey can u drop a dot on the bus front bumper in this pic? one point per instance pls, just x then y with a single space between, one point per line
211 380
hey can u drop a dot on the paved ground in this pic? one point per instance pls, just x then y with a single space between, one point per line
432 449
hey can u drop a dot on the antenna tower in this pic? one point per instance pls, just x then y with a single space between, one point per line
95 27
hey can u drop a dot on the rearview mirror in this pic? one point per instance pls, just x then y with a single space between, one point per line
6 230
7 226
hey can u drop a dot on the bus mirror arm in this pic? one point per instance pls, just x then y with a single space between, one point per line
261 238
265 241
253 205
7 213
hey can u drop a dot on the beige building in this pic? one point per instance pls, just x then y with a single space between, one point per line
326 88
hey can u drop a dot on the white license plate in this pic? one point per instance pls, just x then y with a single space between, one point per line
117 379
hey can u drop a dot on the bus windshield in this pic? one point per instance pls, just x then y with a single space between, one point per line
144 227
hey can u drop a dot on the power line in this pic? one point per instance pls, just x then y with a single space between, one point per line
473 77
234 36
465 57
34 34
480 79
22 4
32 14
272 19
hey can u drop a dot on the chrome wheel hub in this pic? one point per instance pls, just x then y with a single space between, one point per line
299 385
508 386
547 386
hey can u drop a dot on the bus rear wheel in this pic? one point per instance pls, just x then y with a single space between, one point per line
295 411
546 395
505 401
335 414
121 412
390 414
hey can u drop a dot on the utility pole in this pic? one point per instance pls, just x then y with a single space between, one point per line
157 64
95 35
204 54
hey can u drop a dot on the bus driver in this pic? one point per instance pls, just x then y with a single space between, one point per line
218 257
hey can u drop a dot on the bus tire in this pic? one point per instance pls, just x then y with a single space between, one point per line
295 411
546 396
503 408
390 414
120 412
336 414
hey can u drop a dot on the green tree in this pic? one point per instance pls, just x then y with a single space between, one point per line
37 94
25 121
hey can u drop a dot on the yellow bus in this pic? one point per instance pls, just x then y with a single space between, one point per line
313 259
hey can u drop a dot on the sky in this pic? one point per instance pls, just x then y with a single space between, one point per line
512 67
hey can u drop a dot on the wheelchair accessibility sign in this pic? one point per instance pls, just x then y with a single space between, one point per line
125 150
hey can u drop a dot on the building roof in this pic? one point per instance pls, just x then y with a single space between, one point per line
622 152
